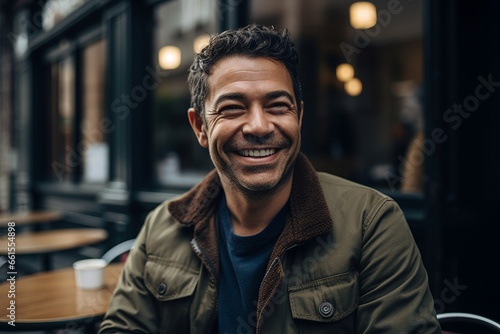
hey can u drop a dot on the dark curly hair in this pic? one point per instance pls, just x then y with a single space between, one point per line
250 41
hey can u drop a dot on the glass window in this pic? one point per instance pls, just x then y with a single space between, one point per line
94 124
62 114
361 86
182 26
55 10
78 149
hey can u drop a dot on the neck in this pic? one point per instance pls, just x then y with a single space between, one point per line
252 212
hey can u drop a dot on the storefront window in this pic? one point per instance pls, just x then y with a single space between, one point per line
361 82
362 87
62 102
77 124
182 27
93 125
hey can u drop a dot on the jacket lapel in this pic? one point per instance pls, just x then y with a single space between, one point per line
197 208
309 218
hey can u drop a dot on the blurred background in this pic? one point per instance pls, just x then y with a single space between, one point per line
400 95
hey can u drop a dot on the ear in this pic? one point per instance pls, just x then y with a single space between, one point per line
198 127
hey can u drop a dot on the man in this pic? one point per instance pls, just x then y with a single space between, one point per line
264 243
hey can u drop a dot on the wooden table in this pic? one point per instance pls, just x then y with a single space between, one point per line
31 217
51 300
54 240
51 241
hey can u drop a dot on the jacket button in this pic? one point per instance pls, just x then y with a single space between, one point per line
162 288
326 309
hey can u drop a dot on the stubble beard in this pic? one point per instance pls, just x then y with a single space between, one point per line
256 189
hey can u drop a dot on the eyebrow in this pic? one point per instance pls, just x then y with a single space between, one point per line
241 96
279 93
229 96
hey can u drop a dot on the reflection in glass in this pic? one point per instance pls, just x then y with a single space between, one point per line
62 118
94 126
179 160
365 134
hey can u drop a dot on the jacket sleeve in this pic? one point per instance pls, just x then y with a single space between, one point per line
394 292
132 307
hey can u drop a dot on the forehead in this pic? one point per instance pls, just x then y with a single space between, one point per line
247 74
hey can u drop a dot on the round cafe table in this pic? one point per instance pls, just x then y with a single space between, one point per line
54 240
51 300
29 218
51 241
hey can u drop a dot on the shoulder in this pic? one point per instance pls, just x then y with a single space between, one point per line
162 231
160 217
335 187
347 199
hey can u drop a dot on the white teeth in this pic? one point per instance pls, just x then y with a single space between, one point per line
257 153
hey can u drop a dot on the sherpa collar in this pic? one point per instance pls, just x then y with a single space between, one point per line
309 214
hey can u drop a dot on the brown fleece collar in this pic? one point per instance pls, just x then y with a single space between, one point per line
196 204
309 214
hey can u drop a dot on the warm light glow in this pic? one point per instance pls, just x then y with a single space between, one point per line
345 72
169 57
353 87
363 15
200 42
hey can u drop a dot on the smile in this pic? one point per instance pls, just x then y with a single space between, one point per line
257 153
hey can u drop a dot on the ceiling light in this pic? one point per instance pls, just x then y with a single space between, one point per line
169 57
363 15
353 87
344 72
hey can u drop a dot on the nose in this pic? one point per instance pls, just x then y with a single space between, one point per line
258 122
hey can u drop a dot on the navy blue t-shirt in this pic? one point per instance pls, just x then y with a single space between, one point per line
243 263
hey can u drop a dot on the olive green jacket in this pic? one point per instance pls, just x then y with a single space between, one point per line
346 262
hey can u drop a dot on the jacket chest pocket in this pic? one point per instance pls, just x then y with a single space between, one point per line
326 305
172 285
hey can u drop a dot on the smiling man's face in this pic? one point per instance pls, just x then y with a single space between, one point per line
252 122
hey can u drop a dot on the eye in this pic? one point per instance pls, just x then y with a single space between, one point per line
279 107
232 109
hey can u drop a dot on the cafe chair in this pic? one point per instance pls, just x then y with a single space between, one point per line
117 250
463 323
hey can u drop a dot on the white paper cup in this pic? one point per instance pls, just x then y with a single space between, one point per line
89 274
